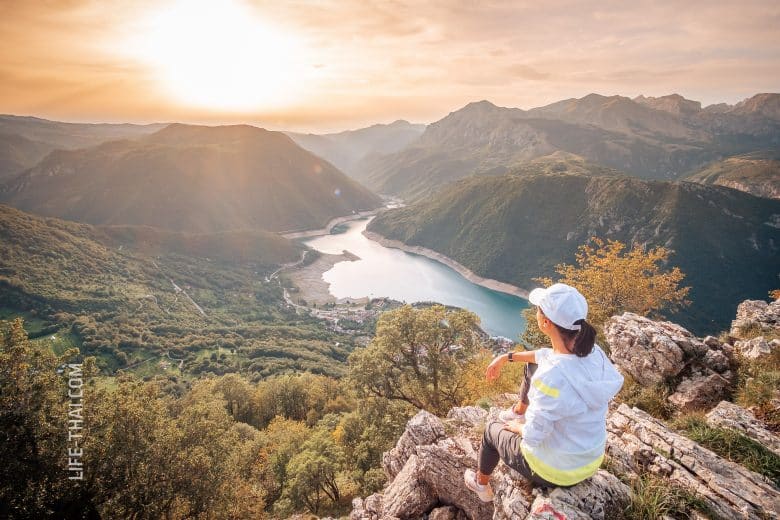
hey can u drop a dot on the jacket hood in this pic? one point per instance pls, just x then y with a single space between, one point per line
593 377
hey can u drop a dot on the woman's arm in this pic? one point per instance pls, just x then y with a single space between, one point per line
494 368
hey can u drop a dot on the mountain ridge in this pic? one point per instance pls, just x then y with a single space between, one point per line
191 178
645 137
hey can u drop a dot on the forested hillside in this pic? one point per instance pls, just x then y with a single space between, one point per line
191 178
517 228
756 173
157 302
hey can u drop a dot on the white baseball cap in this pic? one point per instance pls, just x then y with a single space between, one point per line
562 303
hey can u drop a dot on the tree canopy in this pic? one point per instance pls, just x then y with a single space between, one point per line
419 356
615 280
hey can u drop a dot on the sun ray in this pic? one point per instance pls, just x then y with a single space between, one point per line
220 55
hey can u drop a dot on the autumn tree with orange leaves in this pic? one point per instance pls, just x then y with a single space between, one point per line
615 280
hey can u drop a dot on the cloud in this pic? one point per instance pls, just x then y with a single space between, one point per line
372 61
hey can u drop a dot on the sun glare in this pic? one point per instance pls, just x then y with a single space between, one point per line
220 55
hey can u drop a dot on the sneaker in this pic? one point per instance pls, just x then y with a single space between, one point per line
483 491
510 415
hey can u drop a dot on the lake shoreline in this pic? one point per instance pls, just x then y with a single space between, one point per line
462 270
311 233
311 285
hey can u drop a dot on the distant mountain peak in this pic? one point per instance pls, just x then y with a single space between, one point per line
672 103
192 178
176 133
766 104
221 129
479 105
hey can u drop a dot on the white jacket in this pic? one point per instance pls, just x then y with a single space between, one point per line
565 433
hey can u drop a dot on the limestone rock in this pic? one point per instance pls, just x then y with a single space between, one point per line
717 360
408 495
593 499
468 414
699 391
423 428
654 351
756 347
637 442
431 479
368 509
712 341
648 351
729 415
756 314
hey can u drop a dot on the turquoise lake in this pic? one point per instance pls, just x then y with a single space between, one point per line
392 273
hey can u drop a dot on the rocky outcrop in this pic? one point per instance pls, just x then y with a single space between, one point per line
729 415
638 443
648 351
654 352
756 348
756 315
431 479
600 497
699 391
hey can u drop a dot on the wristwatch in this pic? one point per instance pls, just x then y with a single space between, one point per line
509 357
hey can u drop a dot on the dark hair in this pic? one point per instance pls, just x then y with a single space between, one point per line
584 339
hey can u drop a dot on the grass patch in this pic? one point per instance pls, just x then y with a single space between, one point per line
651 399
484 403
59 342
758 384
731 445
34 325
653 497
755 330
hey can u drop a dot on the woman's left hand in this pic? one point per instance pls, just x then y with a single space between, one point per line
494 368
514 426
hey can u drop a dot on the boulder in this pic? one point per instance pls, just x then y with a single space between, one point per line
649 351
700 391
756 347
653 352
756 315
638 443
470 415
424 428
729 415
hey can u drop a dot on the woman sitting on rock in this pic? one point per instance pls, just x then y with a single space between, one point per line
556 434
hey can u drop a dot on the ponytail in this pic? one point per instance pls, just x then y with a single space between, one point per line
584 339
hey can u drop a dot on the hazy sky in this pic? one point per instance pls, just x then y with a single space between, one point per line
331 65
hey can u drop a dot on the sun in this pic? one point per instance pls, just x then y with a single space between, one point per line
220 55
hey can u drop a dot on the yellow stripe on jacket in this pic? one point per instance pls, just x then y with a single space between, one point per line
545 389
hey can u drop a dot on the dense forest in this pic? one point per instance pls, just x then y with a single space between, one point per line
222 446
